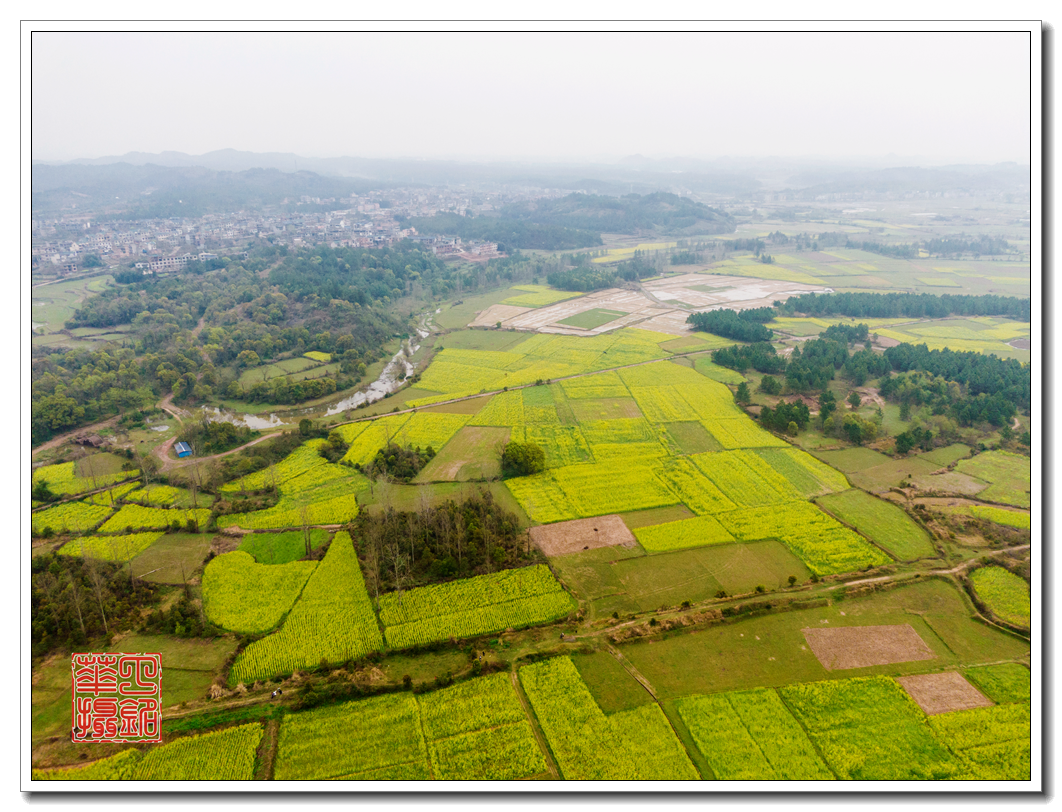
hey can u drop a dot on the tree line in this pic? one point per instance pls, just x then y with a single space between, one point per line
897 305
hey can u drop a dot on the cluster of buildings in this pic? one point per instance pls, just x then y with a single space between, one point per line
61 246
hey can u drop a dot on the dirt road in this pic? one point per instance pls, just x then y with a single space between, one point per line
70 435
168 463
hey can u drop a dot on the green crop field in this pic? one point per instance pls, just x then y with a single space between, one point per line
476 730
319 494
1010 518
882 522
278 369
280 548
111 548
251 598
993 744
623 580
1002 683
474 453
947 455
62 478
298 462
537 296
224 755
1008 476
870 729
332 621
612 686
636 744
137 517
1005 594
698 532
77 517
111 497
751 735
53 304
168 496
357 740
473 606
172 559
591 319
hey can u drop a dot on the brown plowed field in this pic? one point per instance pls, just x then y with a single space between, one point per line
863 646
940 693
582 534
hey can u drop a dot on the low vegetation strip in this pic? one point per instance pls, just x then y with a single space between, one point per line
751 736
351 739
869 729
631 745
333 621
1005 594
111 548
251 598
481 605
77 517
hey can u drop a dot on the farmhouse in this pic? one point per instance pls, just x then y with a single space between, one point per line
183 449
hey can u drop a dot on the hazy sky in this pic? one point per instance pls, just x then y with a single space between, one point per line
945 97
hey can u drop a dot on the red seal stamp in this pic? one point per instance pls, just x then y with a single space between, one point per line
116 697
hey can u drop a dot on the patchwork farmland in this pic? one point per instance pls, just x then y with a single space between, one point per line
676 590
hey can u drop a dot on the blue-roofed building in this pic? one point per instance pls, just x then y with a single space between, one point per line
183 449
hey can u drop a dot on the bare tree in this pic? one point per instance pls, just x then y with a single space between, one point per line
77 599
97 580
